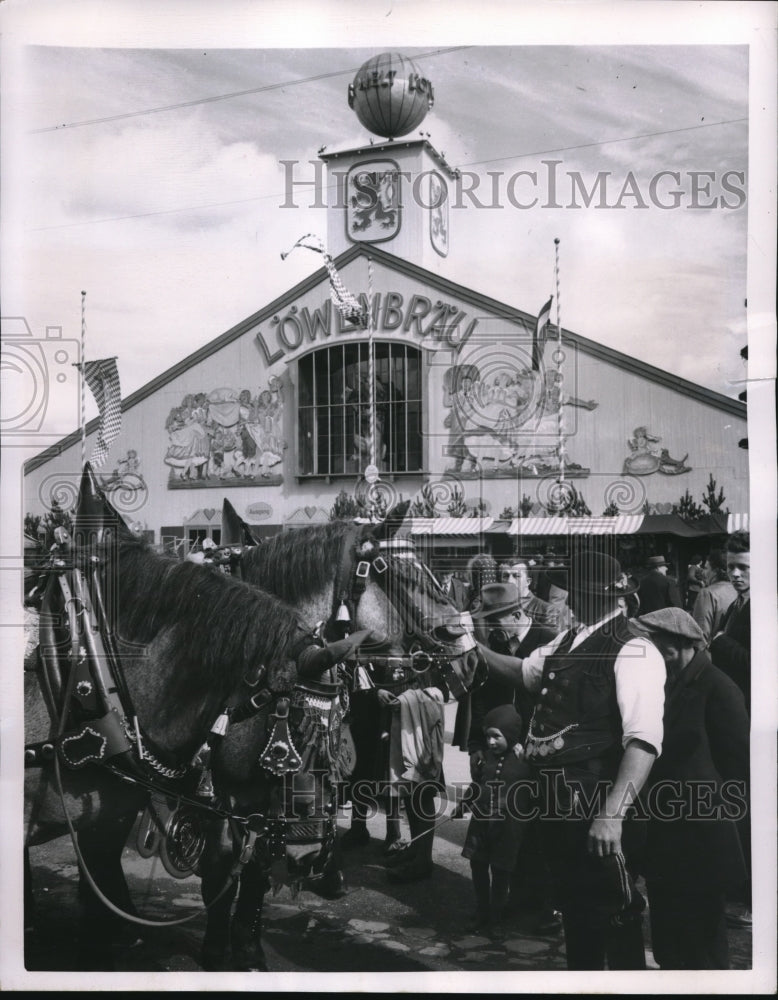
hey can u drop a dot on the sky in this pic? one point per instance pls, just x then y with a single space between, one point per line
140 180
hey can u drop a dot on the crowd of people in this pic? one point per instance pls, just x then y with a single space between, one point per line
608 749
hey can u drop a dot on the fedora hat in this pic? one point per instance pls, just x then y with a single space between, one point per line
597 573
654 561
497 597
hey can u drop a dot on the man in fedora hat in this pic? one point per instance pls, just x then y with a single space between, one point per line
657 589
594 735
503 624
693 855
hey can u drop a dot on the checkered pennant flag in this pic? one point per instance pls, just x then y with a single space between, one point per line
347 304
102 377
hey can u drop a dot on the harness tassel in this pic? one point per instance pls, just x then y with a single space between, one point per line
219 728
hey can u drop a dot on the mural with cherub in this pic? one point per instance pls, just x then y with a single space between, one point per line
226 437
646 456
504 418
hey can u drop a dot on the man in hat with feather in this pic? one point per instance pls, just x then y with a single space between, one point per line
595 733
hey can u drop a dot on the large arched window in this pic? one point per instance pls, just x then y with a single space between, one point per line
334 409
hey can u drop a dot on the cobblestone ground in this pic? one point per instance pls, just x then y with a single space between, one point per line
375 927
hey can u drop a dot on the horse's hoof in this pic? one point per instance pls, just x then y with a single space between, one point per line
356 836
255 966
213 961
332 886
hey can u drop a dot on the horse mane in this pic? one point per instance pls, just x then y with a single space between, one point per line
300 564
297 564
219 628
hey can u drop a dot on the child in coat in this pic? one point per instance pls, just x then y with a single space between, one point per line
501 805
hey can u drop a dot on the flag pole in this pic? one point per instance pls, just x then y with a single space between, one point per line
558 359
83 379
371 360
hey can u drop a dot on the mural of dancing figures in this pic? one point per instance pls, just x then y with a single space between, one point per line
226 437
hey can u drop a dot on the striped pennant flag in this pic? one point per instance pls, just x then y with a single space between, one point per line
102 377
347 304
539 336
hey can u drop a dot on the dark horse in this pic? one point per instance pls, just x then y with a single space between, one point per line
202 656
362 576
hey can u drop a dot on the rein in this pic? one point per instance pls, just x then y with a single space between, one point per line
100 698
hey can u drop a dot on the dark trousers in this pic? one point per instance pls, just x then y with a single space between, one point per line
531 879
688 930
596 930
593 937
491 886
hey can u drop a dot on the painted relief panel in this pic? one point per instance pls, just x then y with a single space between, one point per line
504 417
226 437
438 213
373 201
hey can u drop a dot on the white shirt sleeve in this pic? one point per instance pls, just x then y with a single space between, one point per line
532 665
640 692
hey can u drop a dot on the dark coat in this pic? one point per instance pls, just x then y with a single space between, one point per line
706 739
494 692
501 807
658 591
458 593
731 651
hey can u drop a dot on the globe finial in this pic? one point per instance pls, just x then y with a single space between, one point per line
389 95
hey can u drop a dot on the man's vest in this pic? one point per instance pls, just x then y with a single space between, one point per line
577 716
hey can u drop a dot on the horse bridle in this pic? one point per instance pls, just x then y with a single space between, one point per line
111 738
363 560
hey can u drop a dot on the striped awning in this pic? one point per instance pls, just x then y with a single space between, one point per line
737 522
450 525
622 524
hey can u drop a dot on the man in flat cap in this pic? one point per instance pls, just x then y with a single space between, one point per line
695 792
595 733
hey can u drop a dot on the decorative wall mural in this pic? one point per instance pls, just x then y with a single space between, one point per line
438 213
647 456
226 437
126 475
506 423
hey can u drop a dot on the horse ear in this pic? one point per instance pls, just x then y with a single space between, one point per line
235 531
394 519
95 519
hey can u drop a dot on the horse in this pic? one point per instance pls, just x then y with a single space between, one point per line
144 659
361 576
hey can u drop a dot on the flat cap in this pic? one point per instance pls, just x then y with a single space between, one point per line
673 621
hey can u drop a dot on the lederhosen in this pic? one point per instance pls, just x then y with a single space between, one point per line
575 745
